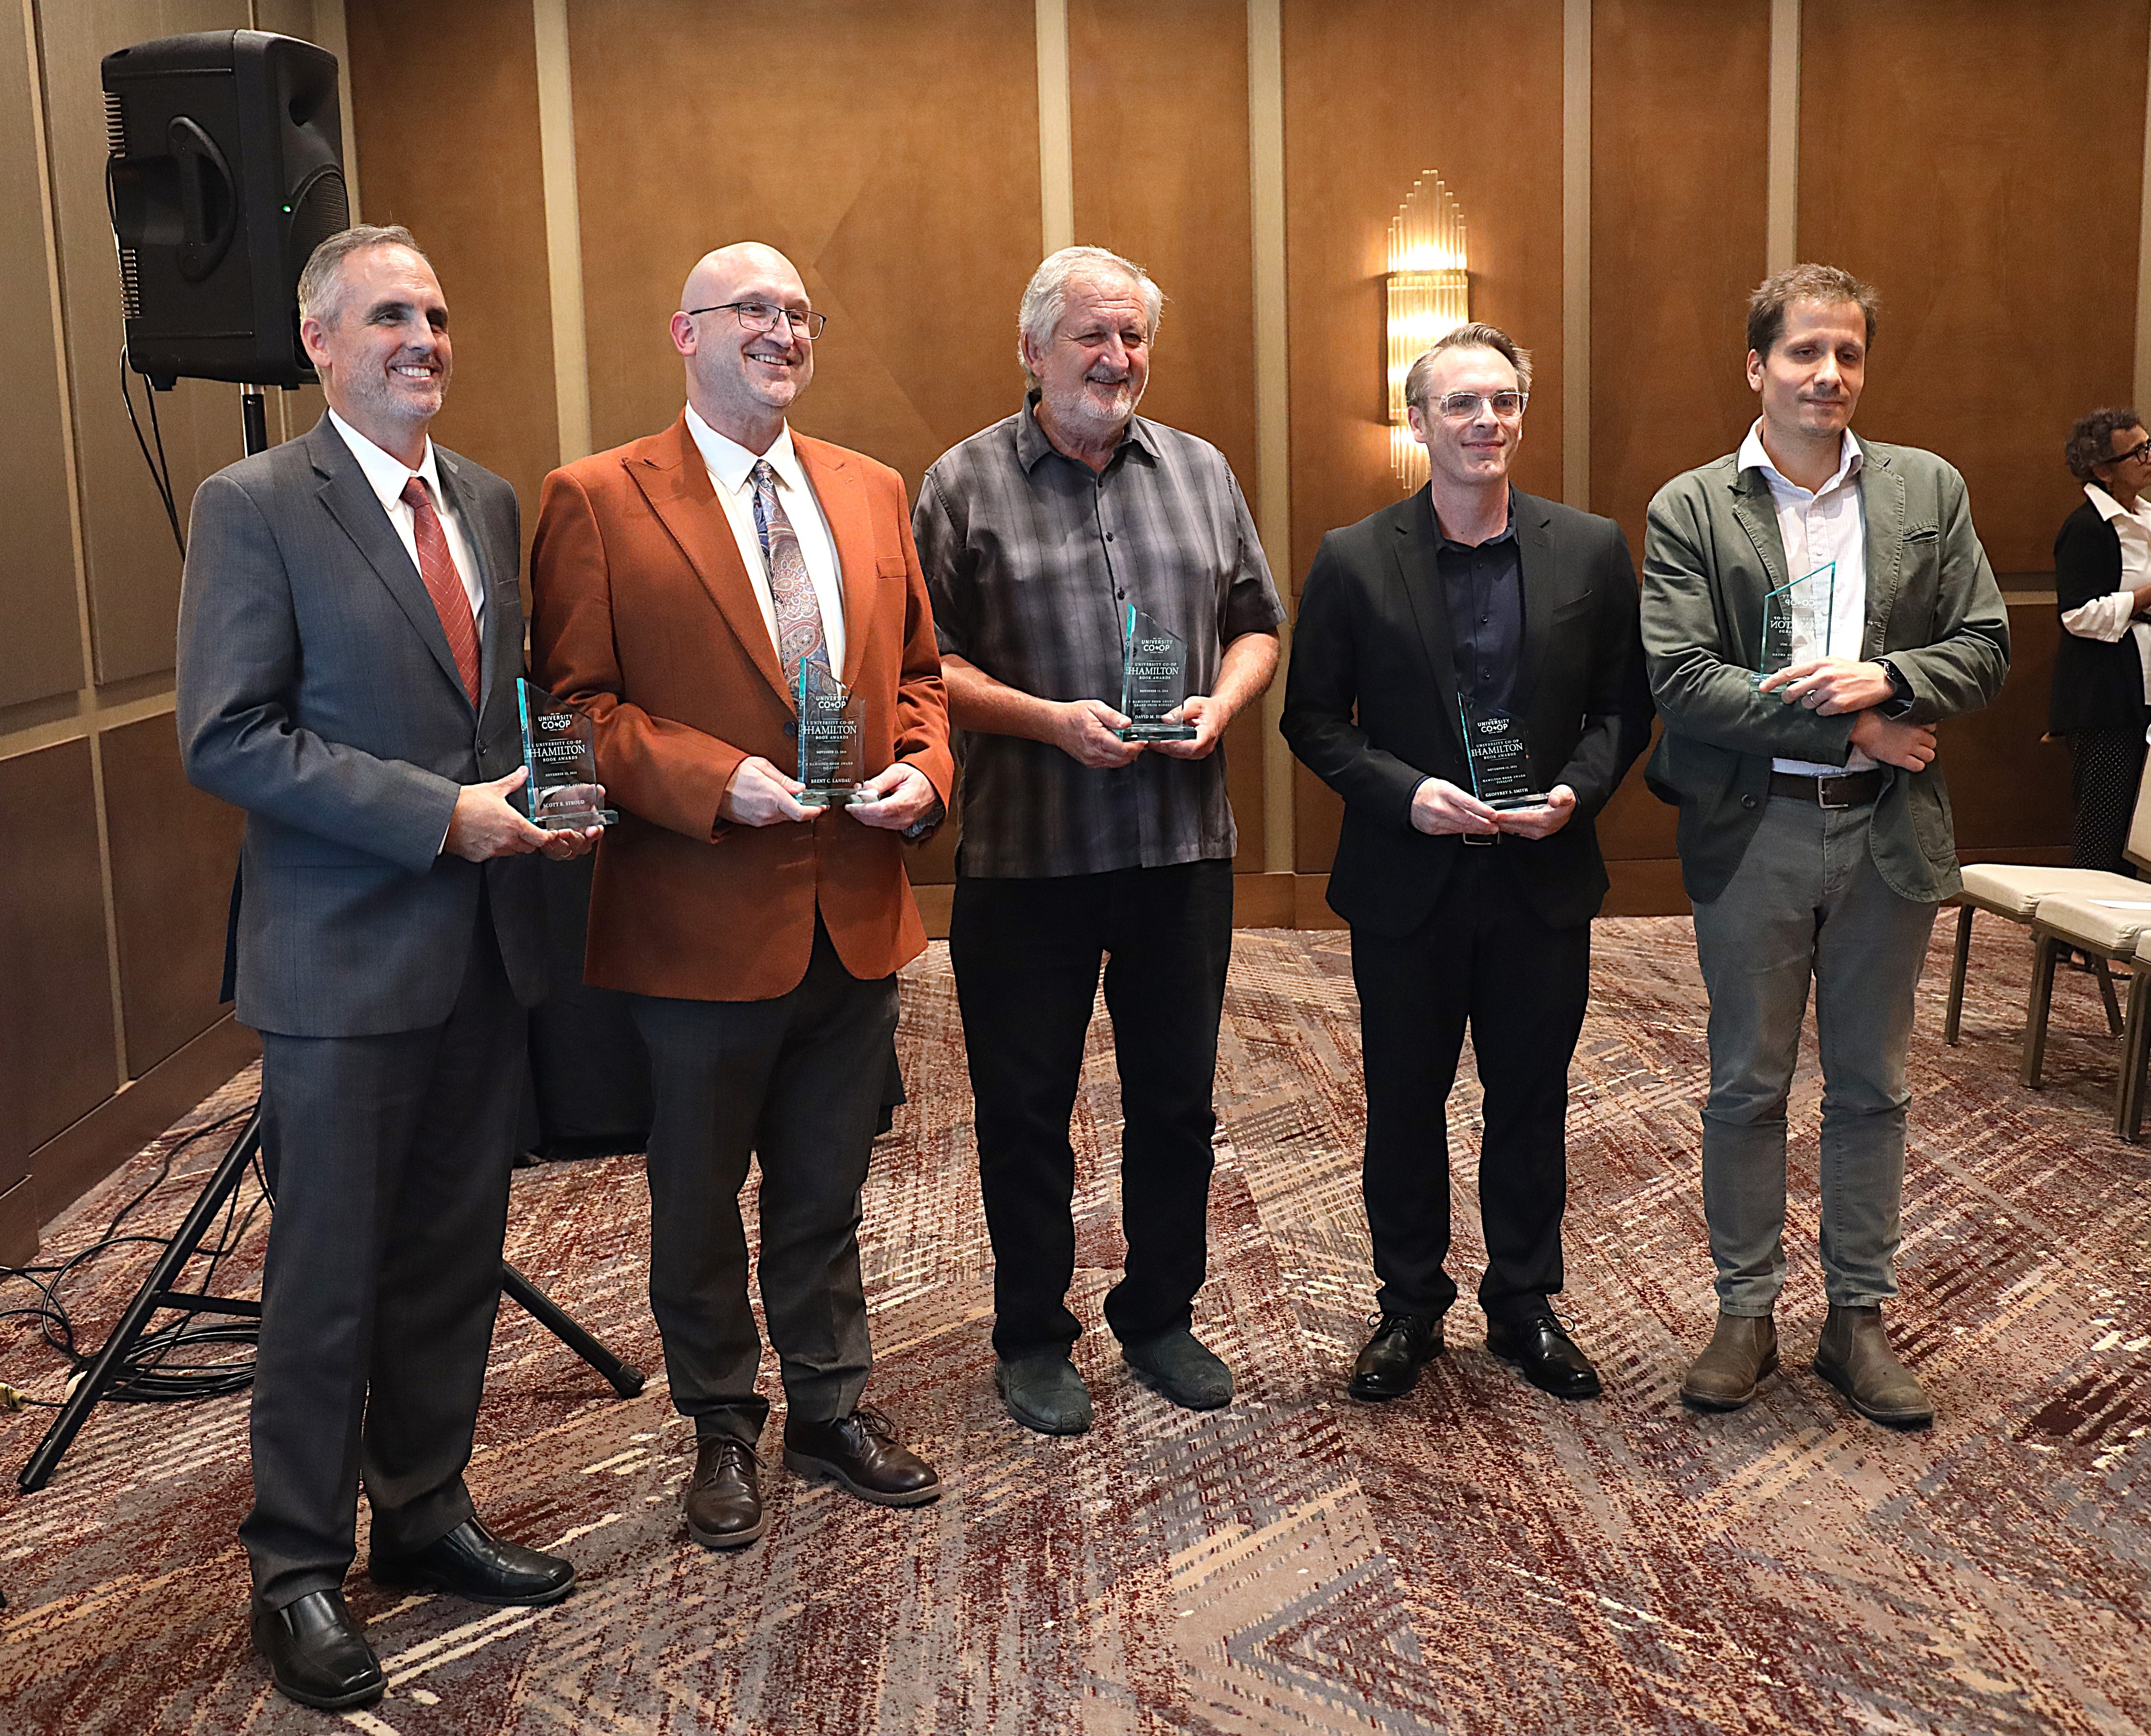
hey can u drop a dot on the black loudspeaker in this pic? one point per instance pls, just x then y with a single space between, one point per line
226 172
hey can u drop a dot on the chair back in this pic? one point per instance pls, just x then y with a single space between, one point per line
2138 849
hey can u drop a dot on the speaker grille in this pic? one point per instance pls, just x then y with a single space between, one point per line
115 124
130 284
320 209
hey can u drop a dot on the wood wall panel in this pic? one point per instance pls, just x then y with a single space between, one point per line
41 654
56 1052
173 851
134 566
1675 84
447 143
1162 177
1372 92
2009 790
890 150
1981 165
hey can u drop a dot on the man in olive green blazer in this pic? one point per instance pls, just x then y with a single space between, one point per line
1814 834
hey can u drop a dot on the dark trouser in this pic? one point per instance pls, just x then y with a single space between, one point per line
798 1082
389 1157
2108 765
1026 955
1484 957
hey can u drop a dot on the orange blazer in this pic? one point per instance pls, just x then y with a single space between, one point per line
643 618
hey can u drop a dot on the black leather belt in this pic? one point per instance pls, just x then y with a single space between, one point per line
1849 789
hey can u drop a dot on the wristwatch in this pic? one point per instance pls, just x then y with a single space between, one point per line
1900 701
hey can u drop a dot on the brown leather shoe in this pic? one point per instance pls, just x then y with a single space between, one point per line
723 1502
859 1454
1741 1352
1855 1357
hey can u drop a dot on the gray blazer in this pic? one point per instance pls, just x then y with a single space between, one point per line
1711 551
316 690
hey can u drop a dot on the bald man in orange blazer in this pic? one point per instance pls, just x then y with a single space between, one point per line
678 583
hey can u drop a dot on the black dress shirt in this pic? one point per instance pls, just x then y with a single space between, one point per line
1483 589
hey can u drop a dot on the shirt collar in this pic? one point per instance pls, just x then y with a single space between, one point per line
731 463
1506 534
1754 456
2110 508
1031 444
386 473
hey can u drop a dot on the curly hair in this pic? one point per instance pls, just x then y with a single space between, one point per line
2091 441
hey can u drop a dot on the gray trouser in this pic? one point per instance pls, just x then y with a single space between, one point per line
1806 902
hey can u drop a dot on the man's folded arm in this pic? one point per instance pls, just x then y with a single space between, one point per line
1700 693
238 656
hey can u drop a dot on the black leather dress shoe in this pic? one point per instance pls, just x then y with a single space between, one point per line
723 1502
1389 1366
471 1562
1545 1355
859 1454
316 1654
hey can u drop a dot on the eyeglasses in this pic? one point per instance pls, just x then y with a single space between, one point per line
2135 455
759 317
1464 406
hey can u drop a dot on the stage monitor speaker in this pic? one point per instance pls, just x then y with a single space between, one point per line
226 172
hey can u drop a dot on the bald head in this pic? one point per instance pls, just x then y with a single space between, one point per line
740 380
719 274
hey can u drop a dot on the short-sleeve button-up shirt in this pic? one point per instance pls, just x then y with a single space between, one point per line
1032 560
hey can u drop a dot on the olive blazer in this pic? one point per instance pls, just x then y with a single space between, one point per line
1711 552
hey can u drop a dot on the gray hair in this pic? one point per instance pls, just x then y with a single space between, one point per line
1045 296
321 286
1476 336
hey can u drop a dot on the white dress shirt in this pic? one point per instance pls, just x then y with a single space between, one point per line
731 465
386 474
2107 618
1828 524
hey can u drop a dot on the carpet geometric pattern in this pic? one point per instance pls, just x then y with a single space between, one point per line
1477 1557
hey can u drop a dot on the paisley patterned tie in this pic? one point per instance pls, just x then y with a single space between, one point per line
799 634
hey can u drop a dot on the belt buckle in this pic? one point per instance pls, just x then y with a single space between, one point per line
1487 838
1825 787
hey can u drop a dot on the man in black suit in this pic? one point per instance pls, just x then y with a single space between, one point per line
1470 593
349 638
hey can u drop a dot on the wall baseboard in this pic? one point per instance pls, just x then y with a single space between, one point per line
72 1161
18 1224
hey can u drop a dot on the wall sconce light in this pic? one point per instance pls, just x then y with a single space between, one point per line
1430 294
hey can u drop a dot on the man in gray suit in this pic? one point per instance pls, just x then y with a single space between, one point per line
349 638
1814 826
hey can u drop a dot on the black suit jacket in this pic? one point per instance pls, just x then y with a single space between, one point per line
316 690
1371 702
2096 686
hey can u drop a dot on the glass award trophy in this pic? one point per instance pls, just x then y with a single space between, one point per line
1796 620
1153 680
1499 756
832 752
561 794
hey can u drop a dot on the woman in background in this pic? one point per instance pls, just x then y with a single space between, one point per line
2102 694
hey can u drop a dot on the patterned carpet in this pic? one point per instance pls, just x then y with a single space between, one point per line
1478 1557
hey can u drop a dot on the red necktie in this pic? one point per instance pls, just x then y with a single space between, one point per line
443 583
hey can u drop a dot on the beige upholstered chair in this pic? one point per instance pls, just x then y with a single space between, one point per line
2108 927
2015 892
2136 1048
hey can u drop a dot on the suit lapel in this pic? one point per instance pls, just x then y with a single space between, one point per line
1535 545
1882 506
1413 552
357 508
842 497
669 470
